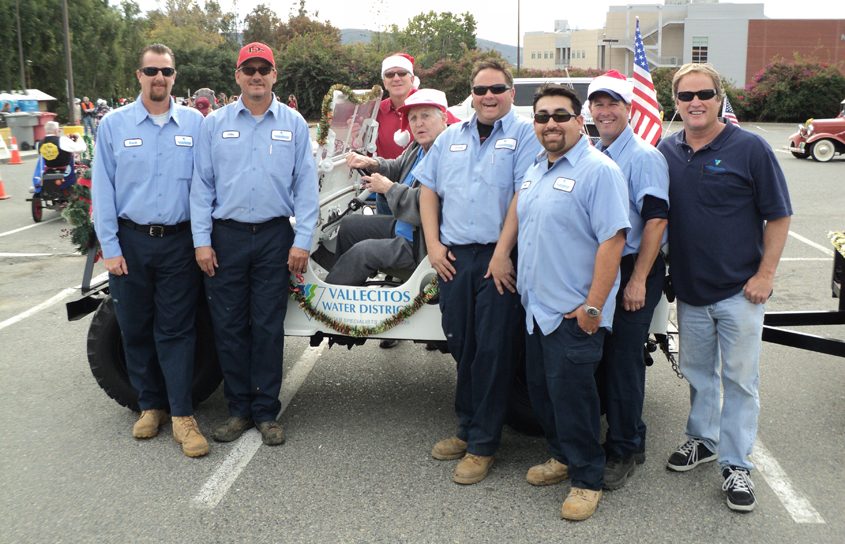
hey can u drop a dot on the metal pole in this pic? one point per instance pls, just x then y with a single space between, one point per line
20 44
70 91
518 35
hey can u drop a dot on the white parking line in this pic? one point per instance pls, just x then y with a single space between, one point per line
794 501
827 251
32 226
760 128
55 299
218 484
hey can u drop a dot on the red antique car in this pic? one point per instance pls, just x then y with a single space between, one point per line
820 138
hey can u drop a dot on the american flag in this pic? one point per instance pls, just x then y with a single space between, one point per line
728 112
645 111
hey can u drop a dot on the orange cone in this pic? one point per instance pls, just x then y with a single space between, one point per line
16 155
3 195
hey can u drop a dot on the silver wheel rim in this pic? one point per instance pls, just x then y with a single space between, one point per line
823 151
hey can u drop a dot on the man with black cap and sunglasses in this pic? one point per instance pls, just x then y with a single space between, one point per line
621 374
468 179
570 218
254 172
141 185
728 224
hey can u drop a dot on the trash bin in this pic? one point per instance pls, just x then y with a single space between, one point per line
43 118
22 125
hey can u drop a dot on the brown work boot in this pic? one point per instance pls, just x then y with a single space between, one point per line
449 448
148 423
187 432
549 473
580 504
472 469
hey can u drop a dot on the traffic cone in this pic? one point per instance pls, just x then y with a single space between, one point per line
16 155
3 195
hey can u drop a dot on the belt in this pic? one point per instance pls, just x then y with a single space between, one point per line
251 227
156 231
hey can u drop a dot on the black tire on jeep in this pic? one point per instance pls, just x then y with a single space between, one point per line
105 356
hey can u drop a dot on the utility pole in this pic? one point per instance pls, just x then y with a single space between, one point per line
518 35
70 93
20 44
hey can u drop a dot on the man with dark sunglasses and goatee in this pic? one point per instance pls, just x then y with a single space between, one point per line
143 165
469 177
254 171
728 225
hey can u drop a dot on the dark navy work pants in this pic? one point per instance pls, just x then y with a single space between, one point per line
156 308
560 370
247 297
621 374
481 328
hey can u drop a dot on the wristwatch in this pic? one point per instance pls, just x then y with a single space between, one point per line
592 311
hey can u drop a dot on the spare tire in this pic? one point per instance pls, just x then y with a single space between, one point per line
108 364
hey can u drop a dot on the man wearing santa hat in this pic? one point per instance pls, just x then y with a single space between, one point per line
368 243
621 374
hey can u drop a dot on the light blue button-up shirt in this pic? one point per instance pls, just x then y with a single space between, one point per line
645 169
142 172
254 171
475 181
565 212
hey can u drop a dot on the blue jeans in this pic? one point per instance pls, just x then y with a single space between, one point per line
730 329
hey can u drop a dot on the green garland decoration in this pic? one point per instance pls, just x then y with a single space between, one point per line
837 238
326 108
78 211
429 292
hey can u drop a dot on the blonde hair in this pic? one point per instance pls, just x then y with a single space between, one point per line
696 68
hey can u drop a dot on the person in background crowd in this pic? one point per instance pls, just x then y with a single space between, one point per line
292 103
89 112
203 105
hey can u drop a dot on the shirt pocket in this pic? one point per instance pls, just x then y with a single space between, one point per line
183 162
132 165
723 191
501 168
279 160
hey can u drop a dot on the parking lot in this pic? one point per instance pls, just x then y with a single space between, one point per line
360 425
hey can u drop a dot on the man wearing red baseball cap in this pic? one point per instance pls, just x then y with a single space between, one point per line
254 172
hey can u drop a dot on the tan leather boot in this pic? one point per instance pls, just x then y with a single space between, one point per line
187 432
148 423
548 473
580 504
449 448
472 469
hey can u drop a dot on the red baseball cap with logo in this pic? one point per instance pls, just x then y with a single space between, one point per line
256 50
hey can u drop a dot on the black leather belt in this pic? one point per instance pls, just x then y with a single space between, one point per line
251 227
156 231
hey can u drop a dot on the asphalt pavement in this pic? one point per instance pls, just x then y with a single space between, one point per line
360 425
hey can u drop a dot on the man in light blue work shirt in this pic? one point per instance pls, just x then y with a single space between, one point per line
142 172
469 177
621 374
571 216
254 171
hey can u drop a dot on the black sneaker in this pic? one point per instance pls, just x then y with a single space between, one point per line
272 433
617 470
388 343
231 429
691 454
739 489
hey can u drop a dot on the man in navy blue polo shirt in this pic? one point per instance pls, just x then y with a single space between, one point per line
621 374
469 177
254 170
727 228
571 216
142 178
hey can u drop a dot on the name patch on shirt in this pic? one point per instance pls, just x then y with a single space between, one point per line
231 134
133 142
525 185
506 143
564 184
281 135
454 148
185 141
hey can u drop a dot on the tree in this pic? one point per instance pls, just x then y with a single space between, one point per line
262 25
432 36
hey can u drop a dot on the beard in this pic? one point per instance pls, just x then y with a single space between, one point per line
159 93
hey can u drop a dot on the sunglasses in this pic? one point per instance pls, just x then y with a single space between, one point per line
250 70
391 75
481 90
560 116
703 94
151 71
